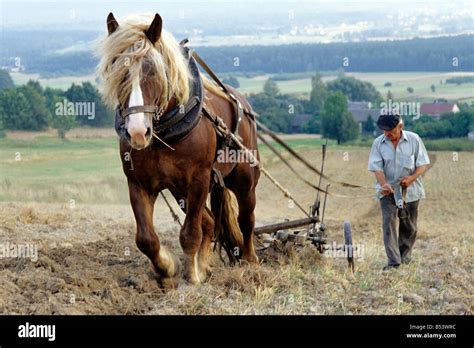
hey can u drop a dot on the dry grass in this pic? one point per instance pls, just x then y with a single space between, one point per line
87 253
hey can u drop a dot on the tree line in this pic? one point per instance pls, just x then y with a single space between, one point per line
32 107
330 117
450 125
432 54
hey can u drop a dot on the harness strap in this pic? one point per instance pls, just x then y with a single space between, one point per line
210 72
238 104
147 109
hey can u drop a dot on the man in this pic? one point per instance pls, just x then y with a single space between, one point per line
398 158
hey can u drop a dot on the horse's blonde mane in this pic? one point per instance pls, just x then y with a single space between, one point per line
123 53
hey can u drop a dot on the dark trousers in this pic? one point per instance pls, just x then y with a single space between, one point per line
398 246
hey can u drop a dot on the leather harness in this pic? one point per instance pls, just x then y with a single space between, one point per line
175 125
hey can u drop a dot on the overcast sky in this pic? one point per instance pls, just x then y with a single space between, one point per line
87 14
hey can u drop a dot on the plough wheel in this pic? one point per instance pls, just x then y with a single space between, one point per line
348 242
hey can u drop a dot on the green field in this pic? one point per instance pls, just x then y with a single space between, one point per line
420 81
63 82
47 169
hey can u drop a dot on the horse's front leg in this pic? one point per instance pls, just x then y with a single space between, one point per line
191 232
165 263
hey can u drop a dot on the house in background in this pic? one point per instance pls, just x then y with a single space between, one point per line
298 121
436 109
361 111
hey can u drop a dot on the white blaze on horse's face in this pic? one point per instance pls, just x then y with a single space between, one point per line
137 126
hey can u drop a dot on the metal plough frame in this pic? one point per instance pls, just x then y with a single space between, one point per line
316 229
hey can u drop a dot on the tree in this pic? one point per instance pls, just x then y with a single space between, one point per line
368 126
276 112
410 90
461 122
5 80
387 84
270 88
313 126
15 110
24 107
319 93
356 90
87 93
336 122
61 122
2 129
389 96
232 81
433 88
39 113
52 95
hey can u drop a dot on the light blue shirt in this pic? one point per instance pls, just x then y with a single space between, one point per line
397 163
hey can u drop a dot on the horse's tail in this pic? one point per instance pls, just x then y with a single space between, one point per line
227 232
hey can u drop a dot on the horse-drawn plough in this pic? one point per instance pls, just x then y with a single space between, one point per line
161 96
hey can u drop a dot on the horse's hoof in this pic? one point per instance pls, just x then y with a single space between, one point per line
250 259
193 280
168 283
170 265
205 273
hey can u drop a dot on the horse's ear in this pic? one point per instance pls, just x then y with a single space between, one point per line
112 23
154 31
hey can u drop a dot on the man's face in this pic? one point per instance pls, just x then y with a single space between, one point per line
395 133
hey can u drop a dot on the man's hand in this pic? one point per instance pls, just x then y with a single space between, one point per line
407 180
386 189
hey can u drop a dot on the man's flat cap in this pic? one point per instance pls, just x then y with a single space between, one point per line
388 120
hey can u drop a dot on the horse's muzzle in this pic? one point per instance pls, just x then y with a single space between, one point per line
139 139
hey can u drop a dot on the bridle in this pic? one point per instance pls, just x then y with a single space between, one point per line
156 111
174 124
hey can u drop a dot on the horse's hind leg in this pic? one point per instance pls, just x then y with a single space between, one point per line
165 263
246 218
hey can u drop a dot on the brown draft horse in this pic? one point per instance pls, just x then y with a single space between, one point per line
142 65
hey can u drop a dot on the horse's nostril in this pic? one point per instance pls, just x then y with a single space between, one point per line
148 132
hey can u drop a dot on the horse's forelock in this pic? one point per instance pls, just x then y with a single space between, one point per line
127 50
